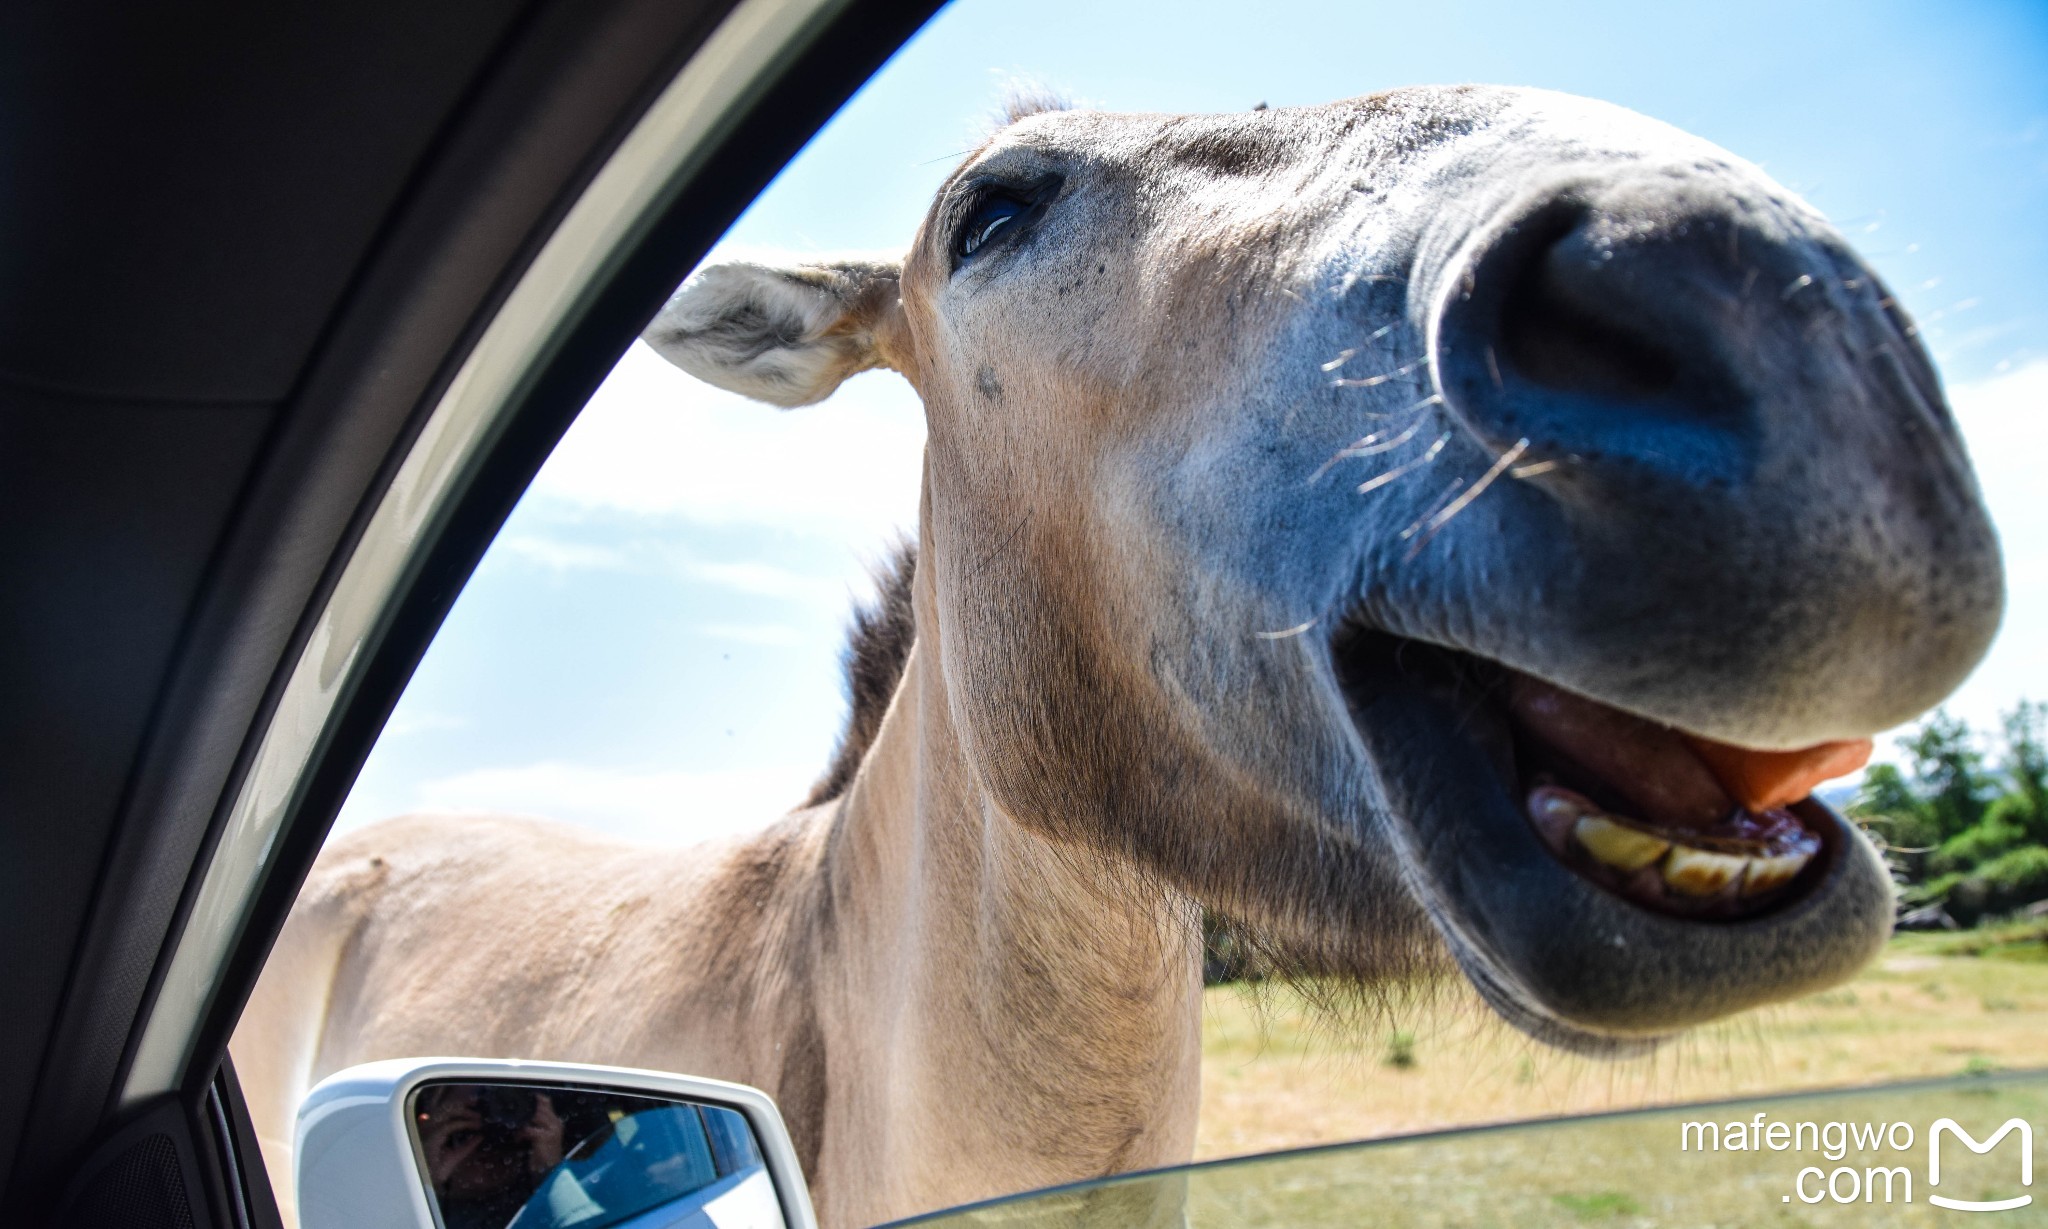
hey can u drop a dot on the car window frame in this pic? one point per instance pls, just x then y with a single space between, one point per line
741 105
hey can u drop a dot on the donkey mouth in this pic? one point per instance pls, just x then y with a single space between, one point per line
1602 879
1675 823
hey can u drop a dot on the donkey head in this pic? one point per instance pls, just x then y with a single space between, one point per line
1474 505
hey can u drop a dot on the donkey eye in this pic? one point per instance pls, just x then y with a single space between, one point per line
987 220
998 210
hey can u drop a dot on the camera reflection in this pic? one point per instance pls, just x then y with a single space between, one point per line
513 1156
485 1148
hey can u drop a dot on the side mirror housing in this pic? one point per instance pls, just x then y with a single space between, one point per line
453 1143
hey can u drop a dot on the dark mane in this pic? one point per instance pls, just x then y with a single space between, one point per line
877 645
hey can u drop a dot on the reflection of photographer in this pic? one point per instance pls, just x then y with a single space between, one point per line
525 1156
486 1148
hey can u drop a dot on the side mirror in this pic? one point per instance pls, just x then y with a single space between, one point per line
445 1143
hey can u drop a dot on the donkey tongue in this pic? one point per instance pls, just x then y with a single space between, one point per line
1667 777
1652 767
1764 779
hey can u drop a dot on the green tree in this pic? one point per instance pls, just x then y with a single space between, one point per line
1981 842
2025 764
1974 840
1948 773
1888 805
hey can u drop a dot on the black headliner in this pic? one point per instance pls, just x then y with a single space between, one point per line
243 243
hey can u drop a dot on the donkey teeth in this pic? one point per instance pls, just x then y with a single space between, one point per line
1566 818
1622 848
1697 872
1767 873
1554 811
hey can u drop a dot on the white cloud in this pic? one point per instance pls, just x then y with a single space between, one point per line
768 580
663 808
776 634
654 441
403 723
562 556
830 590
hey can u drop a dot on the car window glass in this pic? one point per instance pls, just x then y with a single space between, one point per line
1841 1159
652 652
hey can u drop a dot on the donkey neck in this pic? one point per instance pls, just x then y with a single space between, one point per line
1023 1009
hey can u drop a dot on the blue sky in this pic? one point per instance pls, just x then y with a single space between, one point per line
651 646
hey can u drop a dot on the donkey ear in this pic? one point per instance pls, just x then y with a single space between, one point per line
787 336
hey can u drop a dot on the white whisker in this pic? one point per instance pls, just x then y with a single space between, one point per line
1426 402
1406 467
1532 469
1350 352
1364 447
1372 444
1472 492
1450 492
1288 633
1378 441
1383 377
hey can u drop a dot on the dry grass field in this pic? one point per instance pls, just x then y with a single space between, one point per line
1276 1073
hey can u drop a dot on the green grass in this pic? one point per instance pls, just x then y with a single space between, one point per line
1600 1205
2023 939
1279 1072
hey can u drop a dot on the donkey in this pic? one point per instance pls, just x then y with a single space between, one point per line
1457 525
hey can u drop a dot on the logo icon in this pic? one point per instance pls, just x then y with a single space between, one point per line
1969 1141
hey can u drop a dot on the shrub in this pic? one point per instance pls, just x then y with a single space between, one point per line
2020 877
1960 832
1936 889
2021 813
1981 842
2010 881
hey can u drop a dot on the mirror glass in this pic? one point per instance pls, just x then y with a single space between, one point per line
546 1156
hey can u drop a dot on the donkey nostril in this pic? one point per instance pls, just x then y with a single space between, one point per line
1619 332
1549 335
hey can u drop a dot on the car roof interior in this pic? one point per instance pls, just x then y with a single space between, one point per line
243 248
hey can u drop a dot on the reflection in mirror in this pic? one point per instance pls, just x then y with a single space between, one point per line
539 1156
